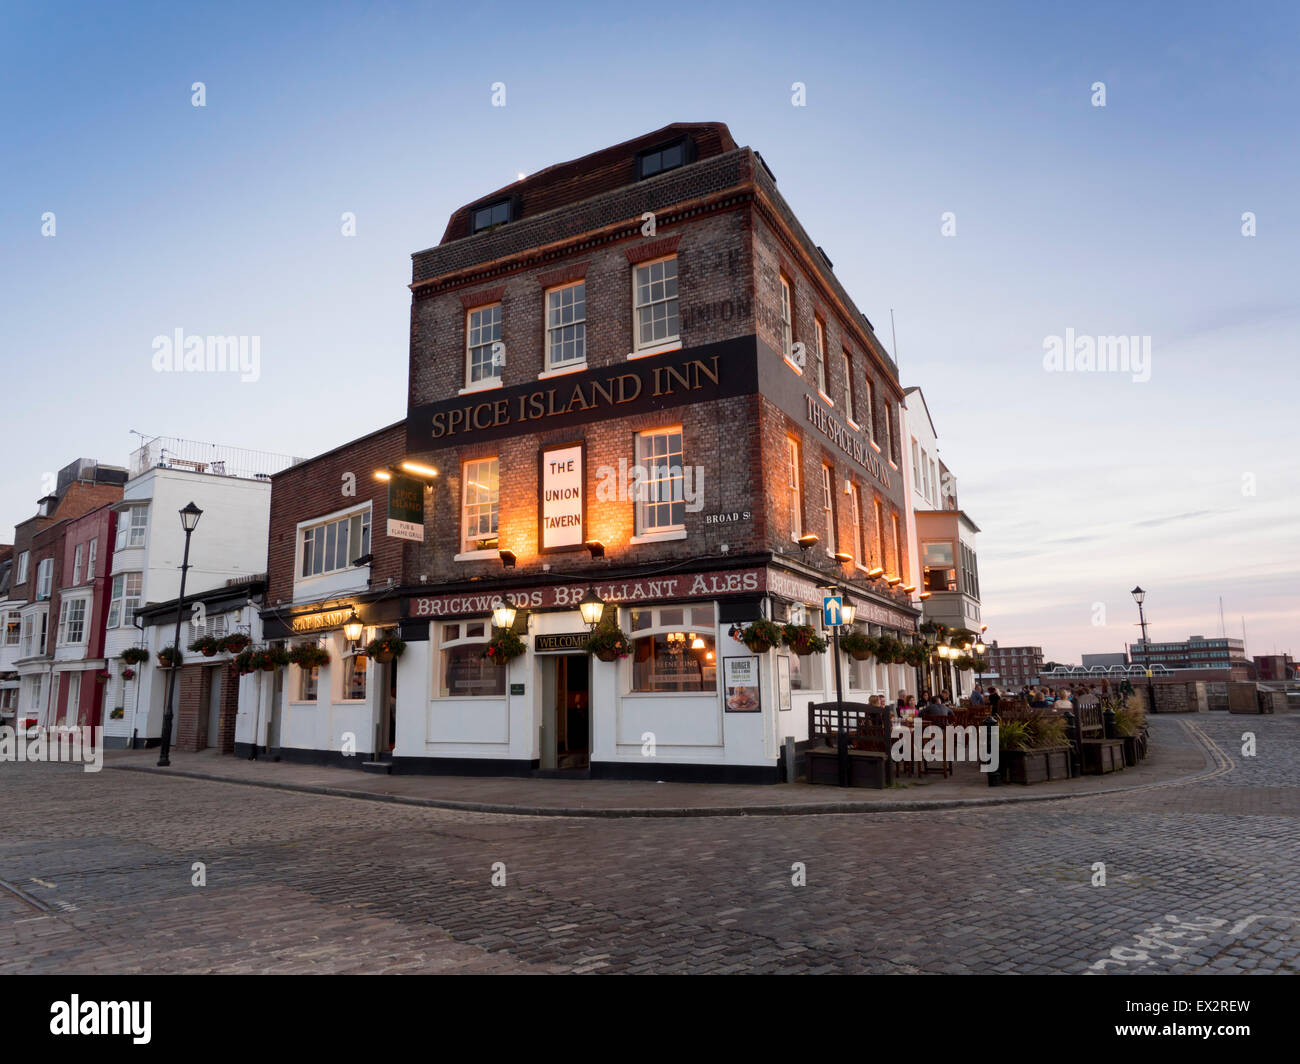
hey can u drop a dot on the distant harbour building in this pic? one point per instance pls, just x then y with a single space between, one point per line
1017 666
1222 654
1104 660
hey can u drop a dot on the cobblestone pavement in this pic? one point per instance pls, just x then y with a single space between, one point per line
1200 877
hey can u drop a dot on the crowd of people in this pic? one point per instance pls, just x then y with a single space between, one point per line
941 703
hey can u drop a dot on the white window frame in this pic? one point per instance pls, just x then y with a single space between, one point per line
72 704
348 661
362 516
651 487
828 508
469 549
16 618
120 615
463 639
44 579
130 532
578 324
787 319
493 379
870 424
76 566
66 605
90 559
850 407
23 559
686 626
672 339
819 334
794 484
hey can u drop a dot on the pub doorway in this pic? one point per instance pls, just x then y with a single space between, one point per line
567 707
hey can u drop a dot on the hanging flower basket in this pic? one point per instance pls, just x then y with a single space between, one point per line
385 648
503 647
242 663
803 639
128 673
761 636
309 656
205 645
609 642
135 655
858 645
235 643
169 657
101 675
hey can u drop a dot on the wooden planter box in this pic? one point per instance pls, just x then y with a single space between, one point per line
1034 766
1099 756
865 769
1132 750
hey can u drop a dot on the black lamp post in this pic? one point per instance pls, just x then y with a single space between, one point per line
1139 596
189 519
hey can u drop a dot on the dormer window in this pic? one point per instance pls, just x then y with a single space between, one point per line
490 215
663 158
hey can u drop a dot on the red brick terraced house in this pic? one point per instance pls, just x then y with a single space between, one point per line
634 378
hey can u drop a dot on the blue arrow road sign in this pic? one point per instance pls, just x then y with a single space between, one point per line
831 607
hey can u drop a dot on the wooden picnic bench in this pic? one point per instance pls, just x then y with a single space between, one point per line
849 745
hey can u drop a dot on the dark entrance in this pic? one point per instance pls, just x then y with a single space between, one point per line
572 711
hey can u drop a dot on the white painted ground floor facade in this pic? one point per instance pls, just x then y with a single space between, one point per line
691 702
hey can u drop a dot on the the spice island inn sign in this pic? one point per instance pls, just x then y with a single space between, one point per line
658 589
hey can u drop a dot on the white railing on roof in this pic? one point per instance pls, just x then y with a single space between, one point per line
171 452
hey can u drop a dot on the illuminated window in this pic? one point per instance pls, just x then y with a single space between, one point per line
878 555
828 508
796 495
355 668
674 649
482 499
859 542
463 672
898 546
938 572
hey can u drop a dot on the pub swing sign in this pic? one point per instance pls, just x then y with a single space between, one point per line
406 508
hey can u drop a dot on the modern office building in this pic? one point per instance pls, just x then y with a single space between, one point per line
1105 661
1194 652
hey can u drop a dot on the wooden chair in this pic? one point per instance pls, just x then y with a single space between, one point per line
926 766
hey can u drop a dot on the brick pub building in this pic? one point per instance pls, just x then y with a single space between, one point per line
637 378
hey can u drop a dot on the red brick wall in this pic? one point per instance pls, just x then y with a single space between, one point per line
314 488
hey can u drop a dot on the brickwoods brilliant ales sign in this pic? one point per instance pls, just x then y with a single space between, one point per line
660 382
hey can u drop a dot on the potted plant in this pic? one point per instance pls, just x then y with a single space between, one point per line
235 643
609 642
277 656
803 639
1131 726
309 656
385 648
242 662
117 714
761 636
1032 746
932 628
858 645
169 657
128 673
503 647
101 675
135 655
205 645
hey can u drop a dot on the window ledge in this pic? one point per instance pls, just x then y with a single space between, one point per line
659 537
547 374
793 365
826 398
471 389
664 348
853 424
875 446
476 556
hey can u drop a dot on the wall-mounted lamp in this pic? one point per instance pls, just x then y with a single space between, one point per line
909 588
365 559
808 539
696 642
843 558
592 608
893 581
595 548
875 571
507 558
848 612
383 474
503 614
352 627
923 595
418 468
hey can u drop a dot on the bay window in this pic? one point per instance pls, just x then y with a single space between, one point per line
333 545
124 599
72 621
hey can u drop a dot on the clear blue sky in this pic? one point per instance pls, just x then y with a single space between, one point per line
1117 220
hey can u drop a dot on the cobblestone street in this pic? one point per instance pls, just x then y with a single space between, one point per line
1201 876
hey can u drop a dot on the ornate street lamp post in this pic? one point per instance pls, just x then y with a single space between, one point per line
1139 596
189 520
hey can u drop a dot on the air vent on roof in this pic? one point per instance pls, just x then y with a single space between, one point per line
826 257
766 167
